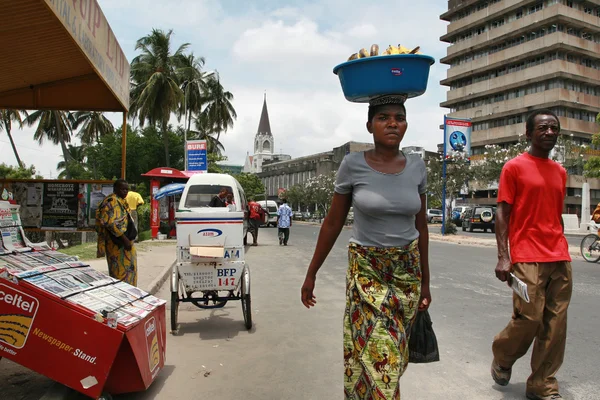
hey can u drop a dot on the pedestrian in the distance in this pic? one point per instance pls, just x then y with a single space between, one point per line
116 234
134 199
256 217
284 222
531 196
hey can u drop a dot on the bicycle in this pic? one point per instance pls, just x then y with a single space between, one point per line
590 244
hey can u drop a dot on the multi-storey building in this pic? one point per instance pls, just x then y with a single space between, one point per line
510 57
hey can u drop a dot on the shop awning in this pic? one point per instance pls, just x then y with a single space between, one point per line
62 55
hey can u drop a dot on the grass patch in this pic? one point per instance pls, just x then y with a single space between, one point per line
85 251
146 235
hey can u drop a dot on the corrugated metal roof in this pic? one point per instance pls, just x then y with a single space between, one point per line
42 66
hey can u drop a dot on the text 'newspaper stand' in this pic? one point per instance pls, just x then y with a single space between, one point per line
65 320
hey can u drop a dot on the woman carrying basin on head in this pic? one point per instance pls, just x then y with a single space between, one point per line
388 272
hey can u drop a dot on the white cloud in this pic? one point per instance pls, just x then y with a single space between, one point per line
289 49
362 31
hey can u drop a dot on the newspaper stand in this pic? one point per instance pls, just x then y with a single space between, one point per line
61 318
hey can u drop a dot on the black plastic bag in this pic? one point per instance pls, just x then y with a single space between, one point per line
422 346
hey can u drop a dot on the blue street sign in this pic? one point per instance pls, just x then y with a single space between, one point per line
196 156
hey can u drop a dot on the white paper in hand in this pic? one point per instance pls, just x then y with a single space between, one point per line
519 287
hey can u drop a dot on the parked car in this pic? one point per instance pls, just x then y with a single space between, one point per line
434 215
479 217
297 216
457 214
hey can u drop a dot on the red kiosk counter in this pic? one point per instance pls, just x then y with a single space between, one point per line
73 324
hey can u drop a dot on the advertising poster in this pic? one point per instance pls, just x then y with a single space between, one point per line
96 193
457 137
29 197
196 156
60 206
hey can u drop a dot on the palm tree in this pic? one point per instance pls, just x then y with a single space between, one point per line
219 110
155 91
78 154
93 124
193 85
53 125
6 119
205 130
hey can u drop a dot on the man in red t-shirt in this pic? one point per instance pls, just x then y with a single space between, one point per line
530 202
256 217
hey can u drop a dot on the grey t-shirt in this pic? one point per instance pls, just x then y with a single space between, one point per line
384 205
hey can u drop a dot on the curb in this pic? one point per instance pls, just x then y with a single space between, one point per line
160 279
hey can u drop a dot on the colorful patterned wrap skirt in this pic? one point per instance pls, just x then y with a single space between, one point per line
383 287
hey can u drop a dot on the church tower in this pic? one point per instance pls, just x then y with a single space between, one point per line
264 144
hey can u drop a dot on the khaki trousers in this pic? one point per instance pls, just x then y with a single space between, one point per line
544 319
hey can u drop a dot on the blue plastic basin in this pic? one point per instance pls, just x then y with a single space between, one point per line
365 78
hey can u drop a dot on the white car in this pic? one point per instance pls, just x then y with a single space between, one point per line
434 215
271 207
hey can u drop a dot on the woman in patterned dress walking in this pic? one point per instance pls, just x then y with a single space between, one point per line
388 272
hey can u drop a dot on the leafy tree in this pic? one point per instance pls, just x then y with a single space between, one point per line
592 166
155 92
219 111
93 126
251 183
77 168
458 173
144 149
193 85
7 117
320 189
10 172
52 125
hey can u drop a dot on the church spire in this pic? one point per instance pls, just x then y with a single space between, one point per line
264 126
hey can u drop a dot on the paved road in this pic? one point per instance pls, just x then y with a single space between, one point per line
294 353
573 239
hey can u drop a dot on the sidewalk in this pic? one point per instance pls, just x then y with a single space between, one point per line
154 263
467 240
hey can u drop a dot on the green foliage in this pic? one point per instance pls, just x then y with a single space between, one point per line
450 228
144 152
458 173
434 202
10 172
213 160
251 183
143 212
319 190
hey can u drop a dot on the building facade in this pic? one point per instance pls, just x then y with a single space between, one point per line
278 175
510 57
264 144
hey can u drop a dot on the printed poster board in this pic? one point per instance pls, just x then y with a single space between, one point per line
56 205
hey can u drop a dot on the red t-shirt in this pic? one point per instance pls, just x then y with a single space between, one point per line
536 188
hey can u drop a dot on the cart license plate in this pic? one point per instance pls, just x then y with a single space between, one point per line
222 276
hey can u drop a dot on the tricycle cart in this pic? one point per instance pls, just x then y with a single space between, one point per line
211 269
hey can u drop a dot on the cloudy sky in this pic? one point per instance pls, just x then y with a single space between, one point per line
287 48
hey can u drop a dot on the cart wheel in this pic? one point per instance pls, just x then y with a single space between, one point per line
246 302
174 311
105 396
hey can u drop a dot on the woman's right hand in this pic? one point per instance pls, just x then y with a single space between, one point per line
127 243
308 299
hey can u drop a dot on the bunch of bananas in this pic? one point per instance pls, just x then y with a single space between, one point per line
363 53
